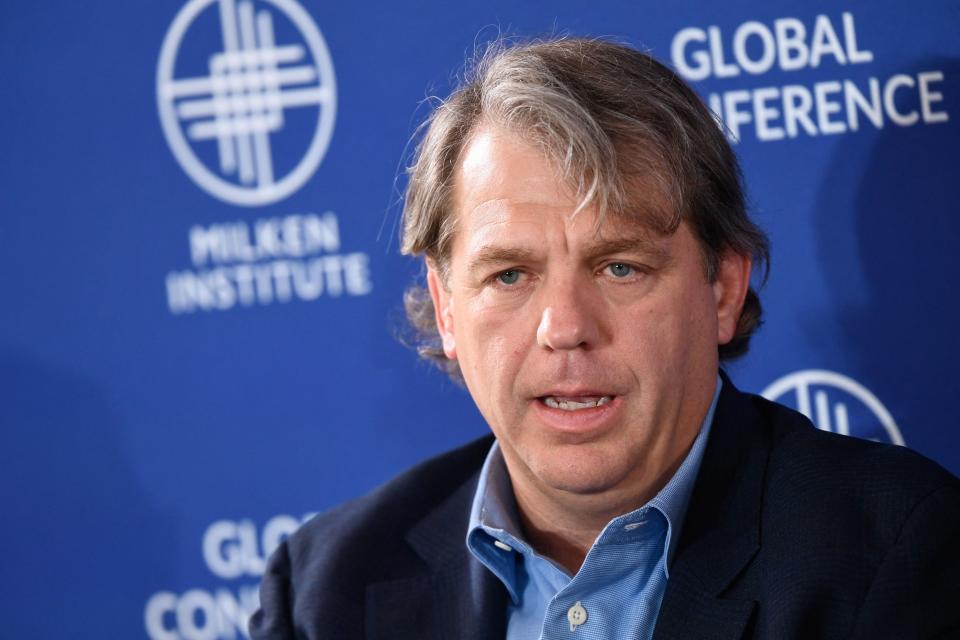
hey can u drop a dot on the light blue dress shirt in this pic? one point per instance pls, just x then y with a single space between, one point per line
617 591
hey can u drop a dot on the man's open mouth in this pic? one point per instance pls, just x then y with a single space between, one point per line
575 403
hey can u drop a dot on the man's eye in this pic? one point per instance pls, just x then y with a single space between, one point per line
620 270
509 277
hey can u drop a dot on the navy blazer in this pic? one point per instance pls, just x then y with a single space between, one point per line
791 532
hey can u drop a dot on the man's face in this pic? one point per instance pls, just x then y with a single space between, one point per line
591 353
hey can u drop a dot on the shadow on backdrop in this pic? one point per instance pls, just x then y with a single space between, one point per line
887 226
76 521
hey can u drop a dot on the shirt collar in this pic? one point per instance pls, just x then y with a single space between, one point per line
673 499
494 519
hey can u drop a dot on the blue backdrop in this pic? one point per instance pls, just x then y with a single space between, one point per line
201 283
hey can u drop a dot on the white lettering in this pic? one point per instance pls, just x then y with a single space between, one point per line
797 103
357 274
792 50
825 42
262 278
221 551
293 236
243 275
826 107
697 53
231 549
928 97
700 69
267 234
721 68
200 614
716 106
197 615
206 244
281 281
238 241
321 233
764 114
253 563
850 38
307 280
276 530
873 109
734 117
894 83
233 614
769 51
160 607
333 271
829 108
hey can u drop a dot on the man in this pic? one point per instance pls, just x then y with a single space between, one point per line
588 266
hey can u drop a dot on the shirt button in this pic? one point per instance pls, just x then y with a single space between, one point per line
577 615
502 545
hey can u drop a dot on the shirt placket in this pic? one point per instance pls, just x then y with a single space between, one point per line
582 609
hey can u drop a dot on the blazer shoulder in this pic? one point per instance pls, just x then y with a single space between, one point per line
842 478
799 445
316 582
368 528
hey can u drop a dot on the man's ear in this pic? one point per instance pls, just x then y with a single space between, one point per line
729 289
442 310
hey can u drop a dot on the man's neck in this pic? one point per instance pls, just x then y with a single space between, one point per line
564 527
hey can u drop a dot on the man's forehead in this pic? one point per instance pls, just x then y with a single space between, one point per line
506 185
497 161
498 164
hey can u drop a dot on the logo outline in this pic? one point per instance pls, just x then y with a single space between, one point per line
800 382
169 89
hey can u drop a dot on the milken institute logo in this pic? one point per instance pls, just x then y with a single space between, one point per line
241 102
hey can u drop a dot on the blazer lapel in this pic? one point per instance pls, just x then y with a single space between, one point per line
721 532
453 597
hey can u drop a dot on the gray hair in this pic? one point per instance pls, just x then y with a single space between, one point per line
618 125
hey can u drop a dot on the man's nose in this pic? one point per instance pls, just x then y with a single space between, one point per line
569 318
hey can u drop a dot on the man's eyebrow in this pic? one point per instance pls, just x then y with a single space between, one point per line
491 255
634 243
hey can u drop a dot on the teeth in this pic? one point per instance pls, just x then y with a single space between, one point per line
575 405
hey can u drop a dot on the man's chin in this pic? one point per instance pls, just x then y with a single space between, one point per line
584 476
587 469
